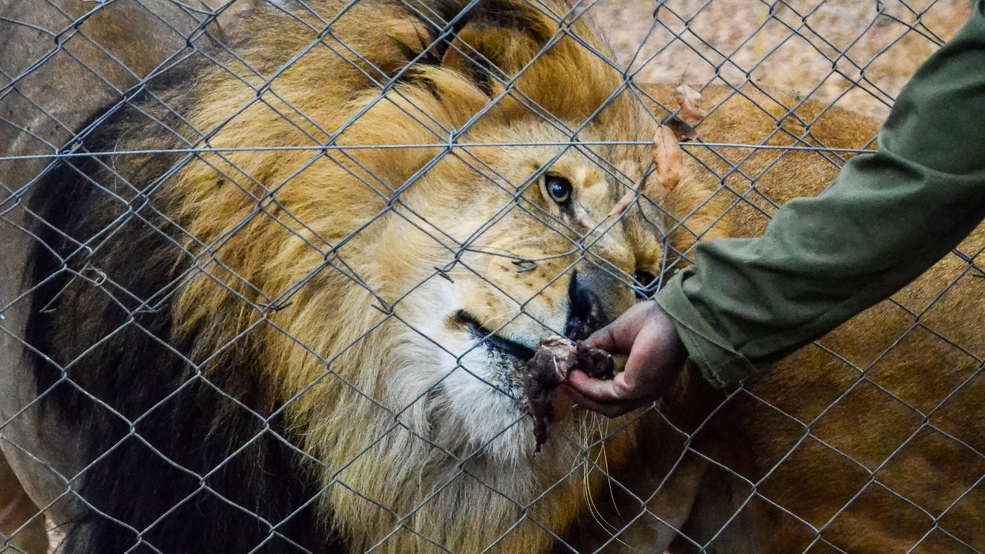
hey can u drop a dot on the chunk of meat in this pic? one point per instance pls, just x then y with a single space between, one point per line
553 359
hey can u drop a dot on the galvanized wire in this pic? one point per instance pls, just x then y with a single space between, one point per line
674 29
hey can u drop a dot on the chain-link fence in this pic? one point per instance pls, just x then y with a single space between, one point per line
273 271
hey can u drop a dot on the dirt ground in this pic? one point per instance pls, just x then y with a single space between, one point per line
856 54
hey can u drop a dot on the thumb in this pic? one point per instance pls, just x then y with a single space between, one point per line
604 339
618 337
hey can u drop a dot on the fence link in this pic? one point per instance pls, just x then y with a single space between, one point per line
272 271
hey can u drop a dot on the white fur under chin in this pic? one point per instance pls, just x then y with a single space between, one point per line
478 401
483 399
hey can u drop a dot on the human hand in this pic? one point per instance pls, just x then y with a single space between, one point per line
656 357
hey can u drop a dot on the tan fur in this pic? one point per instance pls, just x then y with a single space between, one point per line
19 519
377 431
348 368
850 422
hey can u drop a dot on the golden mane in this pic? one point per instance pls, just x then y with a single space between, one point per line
248 371
323 229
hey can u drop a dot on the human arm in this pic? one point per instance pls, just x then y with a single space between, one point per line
747 303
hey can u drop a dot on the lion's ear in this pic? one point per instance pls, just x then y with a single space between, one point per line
489 43
465 56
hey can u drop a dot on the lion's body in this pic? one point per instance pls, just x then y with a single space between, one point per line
870 436
293 334
298 289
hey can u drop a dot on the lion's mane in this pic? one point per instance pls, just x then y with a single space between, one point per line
249 381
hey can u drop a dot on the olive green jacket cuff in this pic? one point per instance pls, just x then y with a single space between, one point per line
747 303
719 362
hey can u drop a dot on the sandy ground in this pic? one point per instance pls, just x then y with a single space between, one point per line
855 53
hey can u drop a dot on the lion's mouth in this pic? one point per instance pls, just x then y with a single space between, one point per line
506 347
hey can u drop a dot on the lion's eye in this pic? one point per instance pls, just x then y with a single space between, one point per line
559 188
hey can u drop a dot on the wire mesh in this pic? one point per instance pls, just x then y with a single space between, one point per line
272 270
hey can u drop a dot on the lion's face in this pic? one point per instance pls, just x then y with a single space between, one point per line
520 247
413 281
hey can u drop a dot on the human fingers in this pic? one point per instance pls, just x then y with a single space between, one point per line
604 339
655 360
619 336
598 390
608 409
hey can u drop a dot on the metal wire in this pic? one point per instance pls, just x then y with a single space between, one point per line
736 53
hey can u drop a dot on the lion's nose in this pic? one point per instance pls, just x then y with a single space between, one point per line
586 309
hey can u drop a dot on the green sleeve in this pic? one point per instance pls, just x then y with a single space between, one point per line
746 303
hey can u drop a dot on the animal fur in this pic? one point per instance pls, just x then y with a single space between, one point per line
732 474
280 348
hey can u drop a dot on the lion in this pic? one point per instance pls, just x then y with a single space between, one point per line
321 346
867 441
